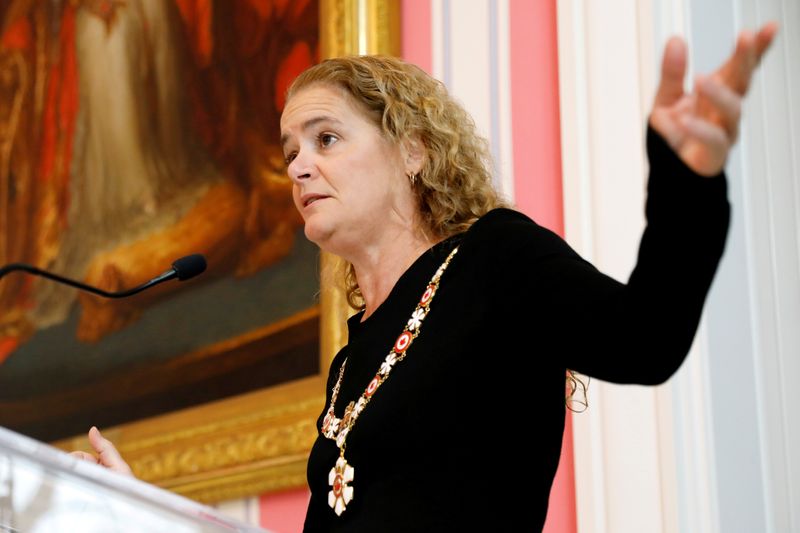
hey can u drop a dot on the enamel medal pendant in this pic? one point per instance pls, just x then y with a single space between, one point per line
341 492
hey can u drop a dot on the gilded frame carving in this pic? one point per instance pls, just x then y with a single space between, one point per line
257 442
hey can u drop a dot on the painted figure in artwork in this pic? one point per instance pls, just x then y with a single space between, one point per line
133 132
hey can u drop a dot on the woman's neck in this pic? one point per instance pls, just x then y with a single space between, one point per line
379 268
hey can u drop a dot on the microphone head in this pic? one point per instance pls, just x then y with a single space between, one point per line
189 266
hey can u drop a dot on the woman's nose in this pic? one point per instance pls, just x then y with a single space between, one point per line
301 167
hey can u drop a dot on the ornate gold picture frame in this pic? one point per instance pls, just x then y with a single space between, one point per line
260 441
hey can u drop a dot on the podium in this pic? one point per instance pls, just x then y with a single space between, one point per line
45 490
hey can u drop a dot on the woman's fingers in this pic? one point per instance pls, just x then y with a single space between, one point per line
750 48
665 120
705 147
673 71
764 38
745 60
84 456
724 103
706 132
107 454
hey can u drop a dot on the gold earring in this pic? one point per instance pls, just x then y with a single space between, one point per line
412 178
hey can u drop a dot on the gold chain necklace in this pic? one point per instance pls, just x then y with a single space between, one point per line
337 429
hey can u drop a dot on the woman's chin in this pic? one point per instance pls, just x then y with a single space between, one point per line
317 233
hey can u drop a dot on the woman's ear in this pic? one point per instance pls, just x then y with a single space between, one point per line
414 154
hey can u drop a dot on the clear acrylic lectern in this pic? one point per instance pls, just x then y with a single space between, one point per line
44 490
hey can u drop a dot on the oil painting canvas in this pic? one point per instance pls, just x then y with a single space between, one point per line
132 133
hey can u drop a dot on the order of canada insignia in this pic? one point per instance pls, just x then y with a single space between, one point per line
339 479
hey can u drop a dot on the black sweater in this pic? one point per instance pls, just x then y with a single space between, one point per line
466 431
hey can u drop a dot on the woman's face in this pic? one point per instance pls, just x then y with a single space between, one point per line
350 182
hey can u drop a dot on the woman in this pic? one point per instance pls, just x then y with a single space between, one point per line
470 314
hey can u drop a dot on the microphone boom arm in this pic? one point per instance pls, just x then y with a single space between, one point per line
14 267
183 269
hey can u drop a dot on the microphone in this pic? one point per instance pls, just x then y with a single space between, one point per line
183 269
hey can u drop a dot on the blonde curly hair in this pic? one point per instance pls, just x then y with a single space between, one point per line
454 186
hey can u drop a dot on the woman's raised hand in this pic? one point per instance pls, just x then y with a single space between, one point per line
702 126
107 454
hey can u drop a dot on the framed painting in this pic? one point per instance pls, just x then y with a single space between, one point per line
133 133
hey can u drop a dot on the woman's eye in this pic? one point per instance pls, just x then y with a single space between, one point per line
327 139
289 158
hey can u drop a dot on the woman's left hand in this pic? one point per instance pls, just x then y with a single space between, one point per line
107 454
702 126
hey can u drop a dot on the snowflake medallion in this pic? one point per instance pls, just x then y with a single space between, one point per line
341 492
387 365
330 425
360 404
416 319
439 272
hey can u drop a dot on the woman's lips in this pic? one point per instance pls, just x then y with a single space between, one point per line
309 199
